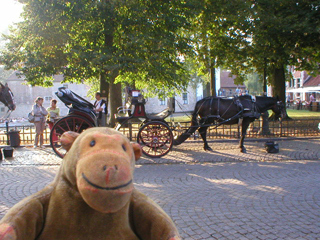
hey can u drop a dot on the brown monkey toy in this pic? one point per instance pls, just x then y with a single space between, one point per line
92 196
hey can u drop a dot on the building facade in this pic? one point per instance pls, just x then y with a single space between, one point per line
24 95
301 86
184 102
227 86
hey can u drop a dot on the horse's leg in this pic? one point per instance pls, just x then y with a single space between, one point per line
203 133
245 124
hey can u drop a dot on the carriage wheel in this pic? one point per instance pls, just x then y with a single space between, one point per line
68 123
155 138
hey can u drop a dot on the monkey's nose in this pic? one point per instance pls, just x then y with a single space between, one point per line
110 172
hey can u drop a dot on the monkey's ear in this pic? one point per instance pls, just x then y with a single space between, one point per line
67 139
136 150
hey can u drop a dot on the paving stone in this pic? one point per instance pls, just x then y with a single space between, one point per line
222 194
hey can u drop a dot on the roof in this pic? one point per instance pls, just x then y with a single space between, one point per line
312 81
227 80
14 77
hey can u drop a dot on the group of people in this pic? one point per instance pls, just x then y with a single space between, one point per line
43 116
298 101
51 114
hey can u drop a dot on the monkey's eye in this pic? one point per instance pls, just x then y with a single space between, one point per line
124 147
92 143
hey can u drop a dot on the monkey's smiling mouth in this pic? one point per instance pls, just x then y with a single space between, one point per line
105 188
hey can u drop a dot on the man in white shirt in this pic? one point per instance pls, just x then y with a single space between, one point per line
312 98
100 108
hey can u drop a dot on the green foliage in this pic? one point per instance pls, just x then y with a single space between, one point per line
254 83
159 45
220 34
84 39
261 34
285 33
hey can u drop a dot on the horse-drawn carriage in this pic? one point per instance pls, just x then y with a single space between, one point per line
80 117
154 133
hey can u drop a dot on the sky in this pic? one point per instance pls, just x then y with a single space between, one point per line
9 13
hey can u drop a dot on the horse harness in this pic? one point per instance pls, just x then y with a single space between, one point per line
251 111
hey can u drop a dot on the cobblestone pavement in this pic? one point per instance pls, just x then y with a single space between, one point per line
222 194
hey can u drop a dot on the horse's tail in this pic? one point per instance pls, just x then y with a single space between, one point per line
194 126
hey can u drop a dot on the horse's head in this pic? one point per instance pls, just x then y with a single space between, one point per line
279 110
6 97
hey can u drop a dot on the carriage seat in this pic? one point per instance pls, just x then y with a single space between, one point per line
161 115
123 111
122 114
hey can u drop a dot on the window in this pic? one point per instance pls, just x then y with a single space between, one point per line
2 109
47 99
298 83
162 101
65 85
185 98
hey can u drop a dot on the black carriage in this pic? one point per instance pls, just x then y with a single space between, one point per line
154 135
80 117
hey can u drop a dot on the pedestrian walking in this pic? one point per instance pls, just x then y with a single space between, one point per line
40 114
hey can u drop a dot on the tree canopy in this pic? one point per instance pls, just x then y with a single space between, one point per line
105 40
146 43
261 35
281 33
134 40
219 32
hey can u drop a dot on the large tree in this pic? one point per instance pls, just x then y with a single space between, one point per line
101 41
282 33
219 32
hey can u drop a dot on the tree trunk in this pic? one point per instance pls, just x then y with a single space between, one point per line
104 89
115 94
206 90
279 87
172 104
213 91
279 84
115 101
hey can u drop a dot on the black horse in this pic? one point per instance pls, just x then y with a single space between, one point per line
217 111
6 97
